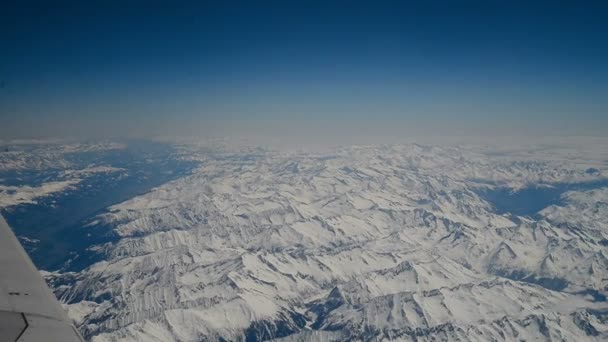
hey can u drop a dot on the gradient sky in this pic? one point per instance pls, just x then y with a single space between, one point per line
303 69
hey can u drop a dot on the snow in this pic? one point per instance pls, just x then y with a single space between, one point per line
30 155
386 243
91 170
14 195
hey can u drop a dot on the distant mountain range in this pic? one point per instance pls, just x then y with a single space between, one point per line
355 244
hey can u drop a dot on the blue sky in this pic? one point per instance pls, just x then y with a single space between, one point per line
312 69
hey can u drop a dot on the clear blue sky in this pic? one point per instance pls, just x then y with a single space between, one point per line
283 68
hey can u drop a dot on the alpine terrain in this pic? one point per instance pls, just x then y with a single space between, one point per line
361 243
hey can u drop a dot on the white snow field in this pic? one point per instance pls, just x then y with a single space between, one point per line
355 244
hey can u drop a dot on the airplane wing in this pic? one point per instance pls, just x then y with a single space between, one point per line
29 312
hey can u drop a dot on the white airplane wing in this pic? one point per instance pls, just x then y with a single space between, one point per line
29 312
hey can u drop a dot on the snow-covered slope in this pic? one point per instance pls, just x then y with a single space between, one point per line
14 195
42 155
362 243
31 170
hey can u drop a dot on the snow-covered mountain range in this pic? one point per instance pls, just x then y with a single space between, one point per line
357 243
